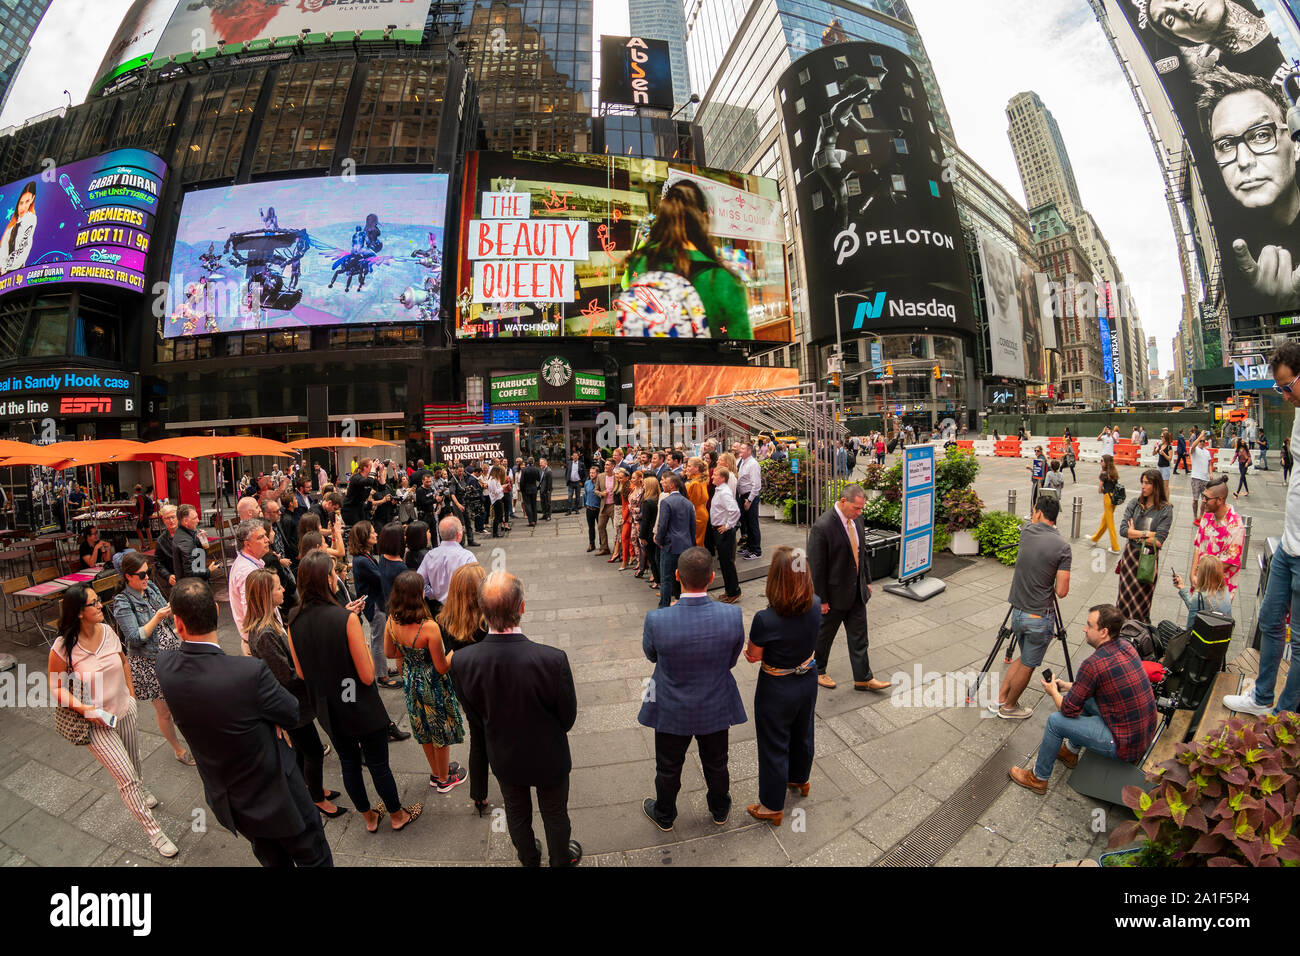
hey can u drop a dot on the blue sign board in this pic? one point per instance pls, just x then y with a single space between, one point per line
794 466
917 552
502 416
1107 362
877 357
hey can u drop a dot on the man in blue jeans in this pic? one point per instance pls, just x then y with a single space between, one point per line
1042 569
1109 709
1283 592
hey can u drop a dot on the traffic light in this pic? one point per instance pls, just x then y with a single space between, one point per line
937 373
889 370
835 379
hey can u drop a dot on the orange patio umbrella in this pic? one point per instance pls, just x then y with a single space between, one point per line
342 443
217 446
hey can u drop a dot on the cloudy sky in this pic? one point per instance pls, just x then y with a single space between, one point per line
984 51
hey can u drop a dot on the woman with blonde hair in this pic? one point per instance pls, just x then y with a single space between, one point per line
1107 483
1209 591
462 624
783 640
411 634
268 641
729 460
649 516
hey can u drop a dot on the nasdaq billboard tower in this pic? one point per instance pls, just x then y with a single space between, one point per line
882 239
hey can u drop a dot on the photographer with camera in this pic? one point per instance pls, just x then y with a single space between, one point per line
1110 708
1042 575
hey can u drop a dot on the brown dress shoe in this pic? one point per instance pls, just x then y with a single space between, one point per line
801 788
825 681
1066 757
773 817
1027 780
873 684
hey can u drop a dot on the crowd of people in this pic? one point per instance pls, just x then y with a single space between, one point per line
337 600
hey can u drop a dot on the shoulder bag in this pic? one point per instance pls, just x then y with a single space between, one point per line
1148 566
72 726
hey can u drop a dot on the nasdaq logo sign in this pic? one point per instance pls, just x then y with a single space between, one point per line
870 310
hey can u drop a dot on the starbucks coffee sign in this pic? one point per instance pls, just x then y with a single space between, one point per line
555 383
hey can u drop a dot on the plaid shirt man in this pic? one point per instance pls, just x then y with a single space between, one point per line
1114 676
1223 541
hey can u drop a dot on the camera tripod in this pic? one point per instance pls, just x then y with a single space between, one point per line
1004 632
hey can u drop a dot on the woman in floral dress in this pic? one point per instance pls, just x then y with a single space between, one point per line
634 508
412 635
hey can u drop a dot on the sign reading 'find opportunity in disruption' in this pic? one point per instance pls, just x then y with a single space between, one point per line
520 259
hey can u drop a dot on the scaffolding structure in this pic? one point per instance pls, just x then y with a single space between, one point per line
800 412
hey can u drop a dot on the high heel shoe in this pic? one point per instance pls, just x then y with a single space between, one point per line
773 817
481 806
801 788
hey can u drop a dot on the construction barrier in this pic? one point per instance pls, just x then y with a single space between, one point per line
1007 448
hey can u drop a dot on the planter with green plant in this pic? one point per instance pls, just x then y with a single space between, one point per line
961 511
1227 799
998 535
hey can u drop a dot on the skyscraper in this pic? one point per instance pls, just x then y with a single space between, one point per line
665 20
18 21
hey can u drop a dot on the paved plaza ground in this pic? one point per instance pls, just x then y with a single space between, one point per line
880 769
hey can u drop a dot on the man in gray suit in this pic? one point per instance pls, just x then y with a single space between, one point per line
674 533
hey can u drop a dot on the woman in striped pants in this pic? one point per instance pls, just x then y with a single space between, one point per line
105 696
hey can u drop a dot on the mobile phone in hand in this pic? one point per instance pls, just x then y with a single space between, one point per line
1047 674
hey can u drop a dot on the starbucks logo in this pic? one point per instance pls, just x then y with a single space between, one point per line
556 371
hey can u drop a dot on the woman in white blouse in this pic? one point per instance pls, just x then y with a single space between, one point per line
496 495
106 699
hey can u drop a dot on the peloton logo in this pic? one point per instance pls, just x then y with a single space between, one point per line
75 909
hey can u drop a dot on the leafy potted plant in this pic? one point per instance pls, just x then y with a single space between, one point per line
1227 799
999 536
962 511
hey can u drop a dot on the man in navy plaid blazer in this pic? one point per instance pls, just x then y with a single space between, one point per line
694 645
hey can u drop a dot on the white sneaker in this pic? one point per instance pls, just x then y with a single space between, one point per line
150 800
1245 704
164 846
994 707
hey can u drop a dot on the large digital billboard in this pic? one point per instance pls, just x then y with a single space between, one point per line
882 241
576 245
88 222
305 252
1012 308
201 28
136 39
1222 69
635 71
691 385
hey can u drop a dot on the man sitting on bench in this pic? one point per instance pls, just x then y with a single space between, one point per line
1110 709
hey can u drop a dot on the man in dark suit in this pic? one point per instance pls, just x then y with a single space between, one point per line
694 645
530 479
283 554
674 534
841 572
231 709
520 697
574 477
545 486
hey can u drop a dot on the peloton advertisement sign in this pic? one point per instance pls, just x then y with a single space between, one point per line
81 393
876 205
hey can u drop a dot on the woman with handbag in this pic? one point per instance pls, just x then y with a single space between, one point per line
1107 486
144 619
1244 461
1146 525
90 681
